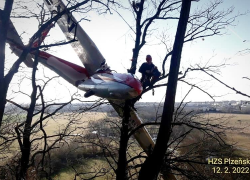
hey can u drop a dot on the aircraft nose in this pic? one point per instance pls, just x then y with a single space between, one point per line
130 81
136 85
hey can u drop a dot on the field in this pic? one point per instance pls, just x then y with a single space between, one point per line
238 131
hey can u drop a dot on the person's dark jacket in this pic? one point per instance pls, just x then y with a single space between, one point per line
148 70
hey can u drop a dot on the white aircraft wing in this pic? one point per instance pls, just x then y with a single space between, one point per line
85 48
92 60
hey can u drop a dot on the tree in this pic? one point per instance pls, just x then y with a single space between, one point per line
201 23
4 20
29 126
44 23
158 153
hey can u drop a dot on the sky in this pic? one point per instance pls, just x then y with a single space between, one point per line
115 41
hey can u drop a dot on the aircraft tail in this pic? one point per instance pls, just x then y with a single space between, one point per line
69 71
16 44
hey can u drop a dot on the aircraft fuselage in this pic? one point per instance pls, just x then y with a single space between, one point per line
112 85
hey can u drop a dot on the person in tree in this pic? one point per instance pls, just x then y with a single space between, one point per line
150 73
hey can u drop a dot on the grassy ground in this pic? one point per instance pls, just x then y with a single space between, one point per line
238 128
238 131
54 126
89 165
239 137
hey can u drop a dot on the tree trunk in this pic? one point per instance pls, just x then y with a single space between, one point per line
152 165
137 38
4 24
26 146
121 172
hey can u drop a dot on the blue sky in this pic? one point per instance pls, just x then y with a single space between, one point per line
115 41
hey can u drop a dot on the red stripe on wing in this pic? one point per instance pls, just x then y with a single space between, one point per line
72 65
38 41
